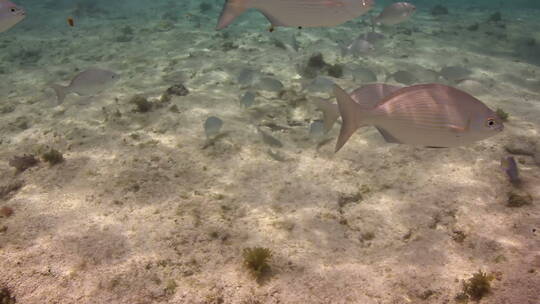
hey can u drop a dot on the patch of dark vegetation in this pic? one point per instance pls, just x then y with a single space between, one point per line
7 190
21 163
142 105
516 200
473 27
335 70
476 287
178 90
438 10
495 17
256 261
345 199
502 114
458 236
205 7
6 297
53 157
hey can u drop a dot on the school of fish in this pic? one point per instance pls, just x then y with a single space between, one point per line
429 115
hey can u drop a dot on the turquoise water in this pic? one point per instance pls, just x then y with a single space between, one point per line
209 142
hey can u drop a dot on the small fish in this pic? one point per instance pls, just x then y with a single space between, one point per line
455 73
367 96
86 83
297 13
270 84
269 139
372 37
248 99
395 13
317 129
10 14
320 84
212 126
429 115
357 48
509 166
70 21
403 77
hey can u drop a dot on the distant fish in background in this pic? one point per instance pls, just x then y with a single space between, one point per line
212 126
429 115
71 21
297 13
395 13
455 73
367 96
357 48
403 77
87 83
10 14
509 166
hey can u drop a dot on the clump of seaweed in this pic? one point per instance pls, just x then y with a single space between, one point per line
502 114
476 287
335 70
516 200
7 190
21 163
142 105
53 157
5 296
256 261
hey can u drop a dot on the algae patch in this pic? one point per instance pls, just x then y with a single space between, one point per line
256 261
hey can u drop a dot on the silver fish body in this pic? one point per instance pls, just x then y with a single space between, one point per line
395 13
86 83
297 13
10 15
430 115
212 126
367 96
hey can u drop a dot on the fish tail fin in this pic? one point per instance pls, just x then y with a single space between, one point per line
351 116
60 92
330 112
231 10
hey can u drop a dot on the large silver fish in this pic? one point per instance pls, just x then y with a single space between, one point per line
395 13
431 115
297 13
88 82
368 96
10 14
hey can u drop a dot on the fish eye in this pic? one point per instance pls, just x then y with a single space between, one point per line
13 10
490 122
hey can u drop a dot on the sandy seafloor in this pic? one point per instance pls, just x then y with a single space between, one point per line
140 213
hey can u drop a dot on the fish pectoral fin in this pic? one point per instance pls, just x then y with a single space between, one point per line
460 129
389 138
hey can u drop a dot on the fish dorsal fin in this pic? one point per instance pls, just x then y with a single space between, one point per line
389 138
273 20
